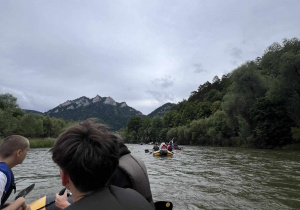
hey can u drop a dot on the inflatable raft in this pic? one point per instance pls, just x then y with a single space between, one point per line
162 152
46 203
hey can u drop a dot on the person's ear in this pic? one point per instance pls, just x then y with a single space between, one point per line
18 152
64 178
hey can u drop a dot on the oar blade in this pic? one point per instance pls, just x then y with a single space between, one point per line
24 192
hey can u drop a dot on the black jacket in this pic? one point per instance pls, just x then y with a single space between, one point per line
112 198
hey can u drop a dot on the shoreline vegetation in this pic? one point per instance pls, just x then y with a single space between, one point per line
49 142
41 142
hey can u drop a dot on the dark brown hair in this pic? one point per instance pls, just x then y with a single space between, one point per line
89 153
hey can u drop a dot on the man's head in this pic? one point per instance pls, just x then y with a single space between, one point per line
14 145
88 153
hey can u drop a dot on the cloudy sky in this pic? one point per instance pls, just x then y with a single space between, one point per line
143 52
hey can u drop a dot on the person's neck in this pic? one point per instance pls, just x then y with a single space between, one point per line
77 195
9 162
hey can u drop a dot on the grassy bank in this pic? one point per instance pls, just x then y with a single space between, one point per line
292 147
41 142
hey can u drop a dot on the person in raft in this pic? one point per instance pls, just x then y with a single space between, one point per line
155 147
88 155
170 147
163 145
13 150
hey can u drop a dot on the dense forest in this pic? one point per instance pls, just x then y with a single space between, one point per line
13 120
256 105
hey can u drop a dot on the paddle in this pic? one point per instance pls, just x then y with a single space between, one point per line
24 192
48 204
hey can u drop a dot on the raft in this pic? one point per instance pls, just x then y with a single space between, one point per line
162 152
46 200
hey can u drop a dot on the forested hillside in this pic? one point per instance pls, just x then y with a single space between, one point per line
160 111
256 105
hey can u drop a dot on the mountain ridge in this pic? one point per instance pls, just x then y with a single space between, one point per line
114 114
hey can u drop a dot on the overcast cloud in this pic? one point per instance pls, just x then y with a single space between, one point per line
146 53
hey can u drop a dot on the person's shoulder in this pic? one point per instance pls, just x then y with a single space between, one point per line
110 198
2 175
4 168
130 198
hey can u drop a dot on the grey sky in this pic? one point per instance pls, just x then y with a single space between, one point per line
146 53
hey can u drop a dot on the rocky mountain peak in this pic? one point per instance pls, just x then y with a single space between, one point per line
82 101
96 99
123 104
110 101
67 103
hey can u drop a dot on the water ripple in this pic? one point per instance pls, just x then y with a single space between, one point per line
196 177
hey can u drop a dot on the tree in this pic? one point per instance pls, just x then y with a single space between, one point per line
9 114
9 104
47 125
286 86
272 124
8 123
171 119
31 125
8 101
132 133
247 85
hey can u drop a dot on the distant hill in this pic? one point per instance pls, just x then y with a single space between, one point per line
160 111
27 111
115 115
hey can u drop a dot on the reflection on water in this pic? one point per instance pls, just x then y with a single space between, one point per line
195 177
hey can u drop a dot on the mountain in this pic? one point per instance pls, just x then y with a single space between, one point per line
115 115
160 111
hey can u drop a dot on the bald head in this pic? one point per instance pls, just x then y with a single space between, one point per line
11 144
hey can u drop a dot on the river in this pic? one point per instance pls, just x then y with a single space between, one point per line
195 177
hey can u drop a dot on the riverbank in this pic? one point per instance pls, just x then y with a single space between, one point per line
41 142
49 142
293 147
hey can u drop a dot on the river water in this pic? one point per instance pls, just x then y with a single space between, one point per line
195 177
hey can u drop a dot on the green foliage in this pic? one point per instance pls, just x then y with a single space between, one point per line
14 121
160 112
9 114
272 124
131 134
172 119
295 134
8 101
8 123
42 142
217 105
213 95
31 125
